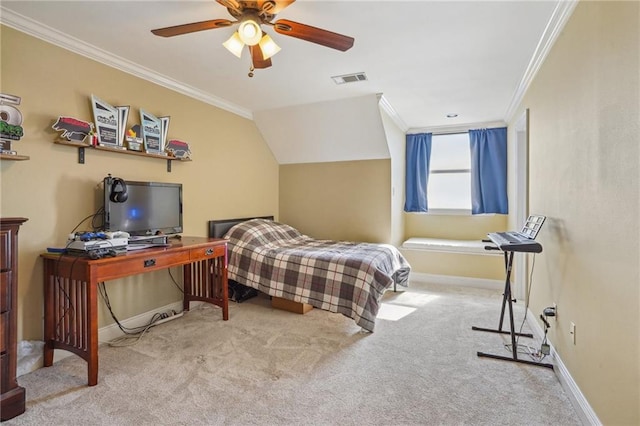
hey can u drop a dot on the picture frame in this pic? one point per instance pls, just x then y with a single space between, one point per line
106 122
151 133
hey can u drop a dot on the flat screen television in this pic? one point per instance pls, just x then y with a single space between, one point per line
142 208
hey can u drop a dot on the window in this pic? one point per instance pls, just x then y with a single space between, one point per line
449 186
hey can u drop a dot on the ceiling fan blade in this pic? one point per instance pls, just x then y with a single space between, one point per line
192 28
256 58
313 34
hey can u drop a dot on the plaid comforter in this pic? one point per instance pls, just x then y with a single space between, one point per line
337 276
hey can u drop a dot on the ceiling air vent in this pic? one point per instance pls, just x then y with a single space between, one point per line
349 78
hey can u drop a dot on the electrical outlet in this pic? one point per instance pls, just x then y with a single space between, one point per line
572 332
545 349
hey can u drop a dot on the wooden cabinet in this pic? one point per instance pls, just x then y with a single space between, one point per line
12 397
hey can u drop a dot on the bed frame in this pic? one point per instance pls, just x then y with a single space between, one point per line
217 228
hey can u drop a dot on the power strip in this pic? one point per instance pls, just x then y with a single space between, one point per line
171 316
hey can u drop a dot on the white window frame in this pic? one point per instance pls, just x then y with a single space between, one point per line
450 211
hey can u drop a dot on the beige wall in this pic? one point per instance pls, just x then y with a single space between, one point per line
462 227
233 173
584 171
348 200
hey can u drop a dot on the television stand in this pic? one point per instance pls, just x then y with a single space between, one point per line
71 290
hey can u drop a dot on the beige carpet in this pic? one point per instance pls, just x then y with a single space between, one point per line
272 367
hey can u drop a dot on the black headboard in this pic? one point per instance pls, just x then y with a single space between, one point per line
217 228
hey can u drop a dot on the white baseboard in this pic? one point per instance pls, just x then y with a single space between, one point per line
578 400
112 331
450 280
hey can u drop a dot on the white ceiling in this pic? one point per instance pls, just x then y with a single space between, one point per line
427 58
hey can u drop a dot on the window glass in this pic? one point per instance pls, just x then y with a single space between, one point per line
450 176
450 152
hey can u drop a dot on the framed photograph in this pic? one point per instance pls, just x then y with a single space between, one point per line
106 118
151 133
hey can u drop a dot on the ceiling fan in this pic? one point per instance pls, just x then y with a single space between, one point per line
250 15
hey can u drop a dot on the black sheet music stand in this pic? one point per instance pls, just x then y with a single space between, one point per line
508 300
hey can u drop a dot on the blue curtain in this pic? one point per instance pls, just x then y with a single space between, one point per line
418 154
489 171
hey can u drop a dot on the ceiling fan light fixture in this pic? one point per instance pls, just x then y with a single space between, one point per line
234 45
268 47
250 32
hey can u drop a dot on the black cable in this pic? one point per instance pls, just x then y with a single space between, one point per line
526 307
126 330
92 217
175 282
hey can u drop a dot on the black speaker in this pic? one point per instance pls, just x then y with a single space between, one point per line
118 191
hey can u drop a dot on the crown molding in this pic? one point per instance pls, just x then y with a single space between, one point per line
55 37
391 112
457 128
559 18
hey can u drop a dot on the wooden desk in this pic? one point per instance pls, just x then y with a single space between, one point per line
71 290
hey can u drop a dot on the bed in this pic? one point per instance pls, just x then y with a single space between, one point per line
338 276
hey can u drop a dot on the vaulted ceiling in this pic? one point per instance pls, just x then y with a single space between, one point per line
427 58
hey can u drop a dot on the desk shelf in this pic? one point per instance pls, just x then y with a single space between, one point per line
81 152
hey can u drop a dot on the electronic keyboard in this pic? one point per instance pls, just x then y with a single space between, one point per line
520 241
513 241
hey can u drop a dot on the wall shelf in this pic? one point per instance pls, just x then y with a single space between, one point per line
81 151
13 157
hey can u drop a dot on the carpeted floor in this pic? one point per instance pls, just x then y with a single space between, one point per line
272 367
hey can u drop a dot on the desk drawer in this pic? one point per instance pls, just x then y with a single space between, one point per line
4 372
4 332
208 252
5 250
141 264
5 291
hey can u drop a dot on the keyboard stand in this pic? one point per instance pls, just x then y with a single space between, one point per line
508 301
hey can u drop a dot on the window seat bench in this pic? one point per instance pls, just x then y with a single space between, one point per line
459 263
448 246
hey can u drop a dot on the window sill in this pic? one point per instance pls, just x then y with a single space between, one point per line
446 212
451 212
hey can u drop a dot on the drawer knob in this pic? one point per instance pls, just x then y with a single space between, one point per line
209 252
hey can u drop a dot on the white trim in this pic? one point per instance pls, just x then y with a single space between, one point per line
457 128
521 187
391 112
110 332
559 17
578 400
448 212
50 35
455 281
